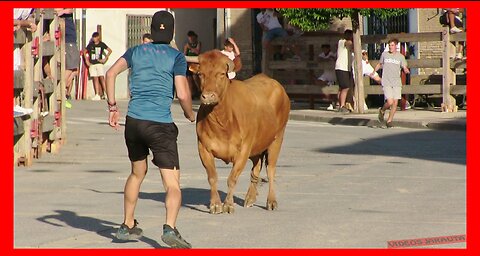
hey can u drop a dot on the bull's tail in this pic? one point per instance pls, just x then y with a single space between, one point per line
264 159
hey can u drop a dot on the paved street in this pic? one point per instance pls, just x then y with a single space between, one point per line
337 187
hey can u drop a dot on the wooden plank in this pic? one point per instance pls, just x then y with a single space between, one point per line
419 89
291 64
309 40
48 86
429 63
458 37
18 79
48 13
18 128
19 36
48 48
312 65
402 37
48 123
310 89
447 72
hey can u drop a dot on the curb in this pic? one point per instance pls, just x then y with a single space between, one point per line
358 121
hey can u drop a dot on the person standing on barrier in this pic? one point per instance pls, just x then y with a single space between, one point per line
392 62
72 54
157 70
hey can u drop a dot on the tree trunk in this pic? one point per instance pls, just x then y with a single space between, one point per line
357 50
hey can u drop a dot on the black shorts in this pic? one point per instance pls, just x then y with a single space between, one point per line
160 138
344 79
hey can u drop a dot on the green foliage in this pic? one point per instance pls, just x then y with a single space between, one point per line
313 19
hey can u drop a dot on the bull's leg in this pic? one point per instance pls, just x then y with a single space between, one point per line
252 192
237 169
209 164
273 152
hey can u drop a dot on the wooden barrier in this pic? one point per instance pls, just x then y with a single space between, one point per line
298 76
43 130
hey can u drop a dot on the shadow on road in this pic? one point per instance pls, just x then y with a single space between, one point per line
103 228
432 145
197 199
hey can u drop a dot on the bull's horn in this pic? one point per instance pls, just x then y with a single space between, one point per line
192 59
230 65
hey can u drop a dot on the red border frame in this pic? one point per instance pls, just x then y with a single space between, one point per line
7 181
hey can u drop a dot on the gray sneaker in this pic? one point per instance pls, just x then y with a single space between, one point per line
126 233
381 115
172 238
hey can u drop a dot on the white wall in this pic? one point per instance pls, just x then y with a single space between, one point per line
114 33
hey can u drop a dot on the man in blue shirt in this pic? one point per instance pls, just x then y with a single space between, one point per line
156 71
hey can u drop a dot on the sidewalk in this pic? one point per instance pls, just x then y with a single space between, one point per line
412 118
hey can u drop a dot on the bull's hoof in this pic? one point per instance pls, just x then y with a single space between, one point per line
272 205
216 209
228 208
249 200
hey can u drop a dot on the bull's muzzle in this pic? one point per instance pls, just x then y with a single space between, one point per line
209 98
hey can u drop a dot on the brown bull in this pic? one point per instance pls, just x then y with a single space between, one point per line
237 121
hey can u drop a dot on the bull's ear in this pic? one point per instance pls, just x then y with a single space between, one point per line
230 66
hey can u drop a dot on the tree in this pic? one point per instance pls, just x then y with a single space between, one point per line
315 19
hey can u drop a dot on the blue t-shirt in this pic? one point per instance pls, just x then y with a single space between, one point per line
153 68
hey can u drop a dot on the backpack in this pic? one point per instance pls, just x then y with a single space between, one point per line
443 19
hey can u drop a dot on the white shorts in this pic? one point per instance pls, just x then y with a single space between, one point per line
392 92
96 70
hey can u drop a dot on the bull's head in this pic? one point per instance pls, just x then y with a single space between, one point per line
212 70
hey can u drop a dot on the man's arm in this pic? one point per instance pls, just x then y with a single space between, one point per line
184 96
118 67
377 67
236 50
108 55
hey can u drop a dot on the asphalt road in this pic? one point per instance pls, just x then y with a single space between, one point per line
337 187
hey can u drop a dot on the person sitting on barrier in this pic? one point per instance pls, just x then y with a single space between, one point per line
72 54
268 21
455 23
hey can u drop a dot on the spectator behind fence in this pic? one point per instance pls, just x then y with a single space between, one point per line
192 47
328 76
95 60
147 38
232 51
72 54
392 62
157 70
